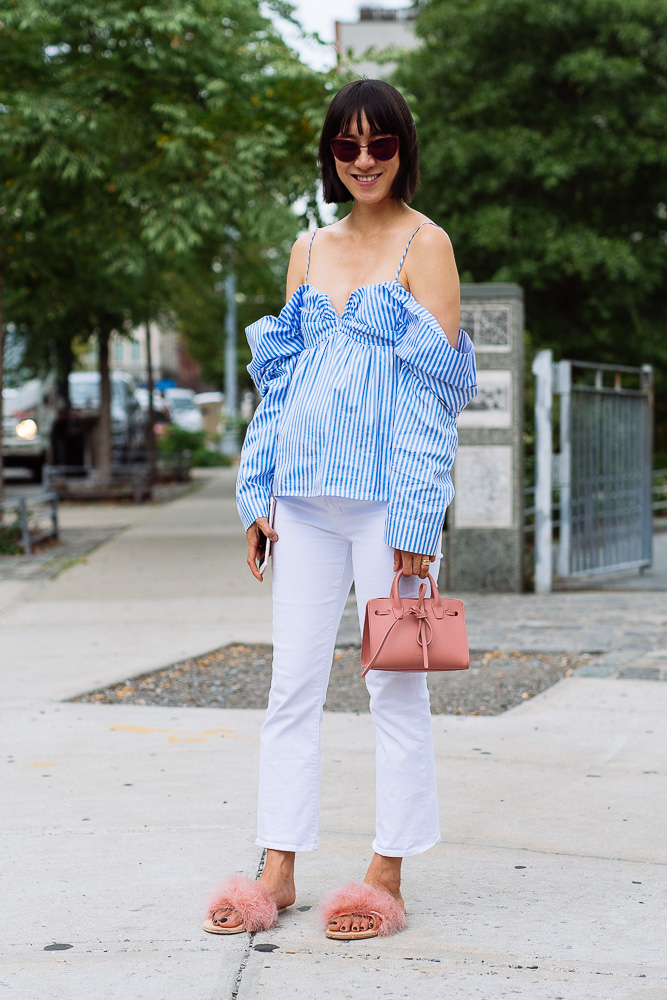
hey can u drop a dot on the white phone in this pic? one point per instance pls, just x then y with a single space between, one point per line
267 549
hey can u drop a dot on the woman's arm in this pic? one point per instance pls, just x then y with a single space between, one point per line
430 270
436 379
276 344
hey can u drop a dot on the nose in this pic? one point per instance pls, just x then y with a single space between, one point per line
364 159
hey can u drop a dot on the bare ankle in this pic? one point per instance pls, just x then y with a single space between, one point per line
279 863
385 870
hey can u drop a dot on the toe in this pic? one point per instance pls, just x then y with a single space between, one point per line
354 922
226 917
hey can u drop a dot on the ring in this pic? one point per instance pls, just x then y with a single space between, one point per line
425 560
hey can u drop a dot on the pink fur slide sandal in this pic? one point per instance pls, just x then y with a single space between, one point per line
254 904
383 913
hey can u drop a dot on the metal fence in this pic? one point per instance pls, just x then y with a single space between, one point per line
659 502
599 484
608 503
36 518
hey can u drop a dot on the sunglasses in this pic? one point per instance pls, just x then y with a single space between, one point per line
347 150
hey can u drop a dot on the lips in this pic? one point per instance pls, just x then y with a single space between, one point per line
365 179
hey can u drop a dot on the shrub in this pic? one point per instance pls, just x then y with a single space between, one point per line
176 440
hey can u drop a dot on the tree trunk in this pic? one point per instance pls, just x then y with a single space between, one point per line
2 372
150 429
64 365
104 426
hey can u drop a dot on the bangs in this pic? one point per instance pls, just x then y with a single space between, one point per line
376 112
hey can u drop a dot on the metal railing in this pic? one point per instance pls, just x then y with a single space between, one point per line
23 507
658 502
80 482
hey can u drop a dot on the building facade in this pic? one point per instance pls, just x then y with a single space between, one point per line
127 352
378 29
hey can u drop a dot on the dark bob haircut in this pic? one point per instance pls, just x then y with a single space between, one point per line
387 113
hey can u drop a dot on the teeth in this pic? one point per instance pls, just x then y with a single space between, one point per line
367 180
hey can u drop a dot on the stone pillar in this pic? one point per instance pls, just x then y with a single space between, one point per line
484 525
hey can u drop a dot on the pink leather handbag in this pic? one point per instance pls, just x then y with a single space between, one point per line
414 633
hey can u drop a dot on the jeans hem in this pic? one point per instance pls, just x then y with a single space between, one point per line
407 852
285 847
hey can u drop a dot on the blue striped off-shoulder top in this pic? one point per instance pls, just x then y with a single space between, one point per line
361 405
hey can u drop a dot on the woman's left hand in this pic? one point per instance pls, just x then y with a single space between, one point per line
412 563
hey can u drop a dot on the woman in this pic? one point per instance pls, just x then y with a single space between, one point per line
362 376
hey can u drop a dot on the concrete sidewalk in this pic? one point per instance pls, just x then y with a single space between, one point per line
550 879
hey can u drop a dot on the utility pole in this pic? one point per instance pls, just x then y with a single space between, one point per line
229 444
543 369
150 427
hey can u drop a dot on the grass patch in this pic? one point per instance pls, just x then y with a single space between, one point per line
10 539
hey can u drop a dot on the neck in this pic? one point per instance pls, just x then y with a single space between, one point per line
372 218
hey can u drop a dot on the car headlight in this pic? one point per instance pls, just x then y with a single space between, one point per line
26 429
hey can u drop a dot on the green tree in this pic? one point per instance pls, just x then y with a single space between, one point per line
543 130
154 127
196 297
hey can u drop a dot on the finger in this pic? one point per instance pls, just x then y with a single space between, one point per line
253 550
266 529
397 560
253 569
424 568
407 563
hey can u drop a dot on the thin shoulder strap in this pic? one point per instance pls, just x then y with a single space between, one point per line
310 247
407 246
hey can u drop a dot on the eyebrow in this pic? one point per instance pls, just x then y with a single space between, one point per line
349 135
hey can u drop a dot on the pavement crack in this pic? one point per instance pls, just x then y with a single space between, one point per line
251 937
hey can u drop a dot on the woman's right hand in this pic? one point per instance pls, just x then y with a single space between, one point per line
257 534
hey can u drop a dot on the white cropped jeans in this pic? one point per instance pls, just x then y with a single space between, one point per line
324 544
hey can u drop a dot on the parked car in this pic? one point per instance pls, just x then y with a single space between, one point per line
210 406
183 409
161 411
28 416
127 421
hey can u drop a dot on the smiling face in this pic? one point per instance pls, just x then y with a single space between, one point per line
368 180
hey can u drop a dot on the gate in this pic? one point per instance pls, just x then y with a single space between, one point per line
602 474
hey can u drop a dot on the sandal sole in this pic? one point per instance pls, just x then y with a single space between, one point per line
351 935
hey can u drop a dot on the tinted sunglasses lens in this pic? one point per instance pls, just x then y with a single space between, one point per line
384 149
345 150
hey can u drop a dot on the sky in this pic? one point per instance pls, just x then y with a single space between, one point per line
319 16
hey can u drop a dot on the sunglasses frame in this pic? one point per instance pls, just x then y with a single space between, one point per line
366 145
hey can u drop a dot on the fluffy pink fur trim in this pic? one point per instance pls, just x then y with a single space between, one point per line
358 897
254 903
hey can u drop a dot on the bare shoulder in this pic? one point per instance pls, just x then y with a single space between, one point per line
299 253
432 278
430 258
296 273
431 239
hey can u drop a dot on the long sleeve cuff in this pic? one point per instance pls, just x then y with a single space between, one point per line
414 524
252 501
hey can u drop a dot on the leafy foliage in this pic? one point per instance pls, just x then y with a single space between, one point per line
543 128
177 440
133 137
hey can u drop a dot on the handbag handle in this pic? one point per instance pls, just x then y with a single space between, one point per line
396 600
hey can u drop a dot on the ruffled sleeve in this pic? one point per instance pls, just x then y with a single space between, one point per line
276 343
435 382
423 347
